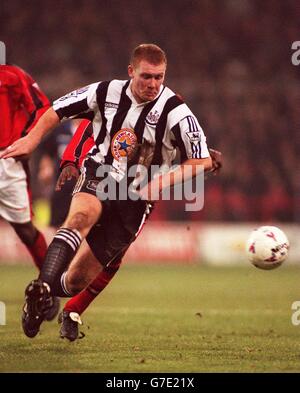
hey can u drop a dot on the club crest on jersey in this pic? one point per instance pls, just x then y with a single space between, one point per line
123 143
152 118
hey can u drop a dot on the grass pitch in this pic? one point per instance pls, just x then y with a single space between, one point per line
165 319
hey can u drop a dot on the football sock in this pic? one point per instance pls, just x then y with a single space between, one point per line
58 288
38 250
59 255
80 302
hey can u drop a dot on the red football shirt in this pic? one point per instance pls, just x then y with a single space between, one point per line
21 104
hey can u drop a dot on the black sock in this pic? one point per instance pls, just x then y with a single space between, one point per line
59 255
59 287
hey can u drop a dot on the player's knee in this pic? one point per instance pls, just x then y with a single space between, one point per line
79 221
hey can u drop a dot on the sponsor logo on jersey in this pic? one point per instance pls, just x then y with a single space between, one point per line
123 144
92 185
194 136
82 90
152 118
112 105
74 93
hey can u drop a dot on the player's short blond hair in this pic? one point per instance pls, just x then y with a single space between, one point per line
149 52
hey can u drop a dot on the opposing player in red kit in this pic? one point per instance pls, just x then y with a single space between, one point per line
22 103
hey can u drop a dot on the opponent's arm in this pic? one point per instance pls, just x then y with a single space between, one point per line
74 153
69 171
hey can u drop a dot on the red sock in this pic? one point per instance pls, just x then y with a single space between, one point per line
38 250
80 302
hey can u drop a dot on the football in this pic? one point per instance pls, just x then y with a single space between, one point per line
267 247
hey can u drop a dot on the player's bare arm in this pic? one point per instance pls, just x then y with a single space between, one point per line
27 144
179 175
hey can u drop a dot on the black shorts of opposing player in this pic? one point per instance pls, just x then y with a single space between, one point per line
119 223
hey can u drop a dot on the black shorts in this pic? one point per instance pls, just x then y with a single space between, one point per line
60 203
119 224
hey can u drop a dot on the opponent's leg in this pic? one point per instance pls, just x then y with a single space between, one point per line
80 302
82 270
70 316
34 241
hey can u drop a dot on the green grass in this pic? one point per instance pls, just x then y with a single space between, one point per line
165 319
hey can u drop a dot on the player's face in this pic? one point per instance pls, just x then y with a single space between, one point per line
146 80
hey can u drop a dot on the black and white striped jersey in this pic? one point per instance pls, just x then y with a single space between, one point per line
120 124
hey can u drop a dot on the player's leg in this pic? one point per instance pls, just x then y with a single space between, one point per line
103 250
70 316
109 243
82 270
80 302
15 208
36 244
33 239
84 212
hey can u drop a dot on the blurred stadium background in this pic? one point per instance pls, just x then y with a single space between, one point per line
231 61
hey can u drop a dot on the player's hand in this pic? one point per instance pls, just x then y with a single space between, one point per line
68 172
20 148
217 161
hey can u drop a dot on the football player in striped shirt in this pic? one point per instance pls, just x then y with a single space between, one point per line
72 159
136 122
70 317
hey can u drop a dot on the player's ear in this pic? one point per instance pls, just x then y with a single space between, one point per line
130 71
